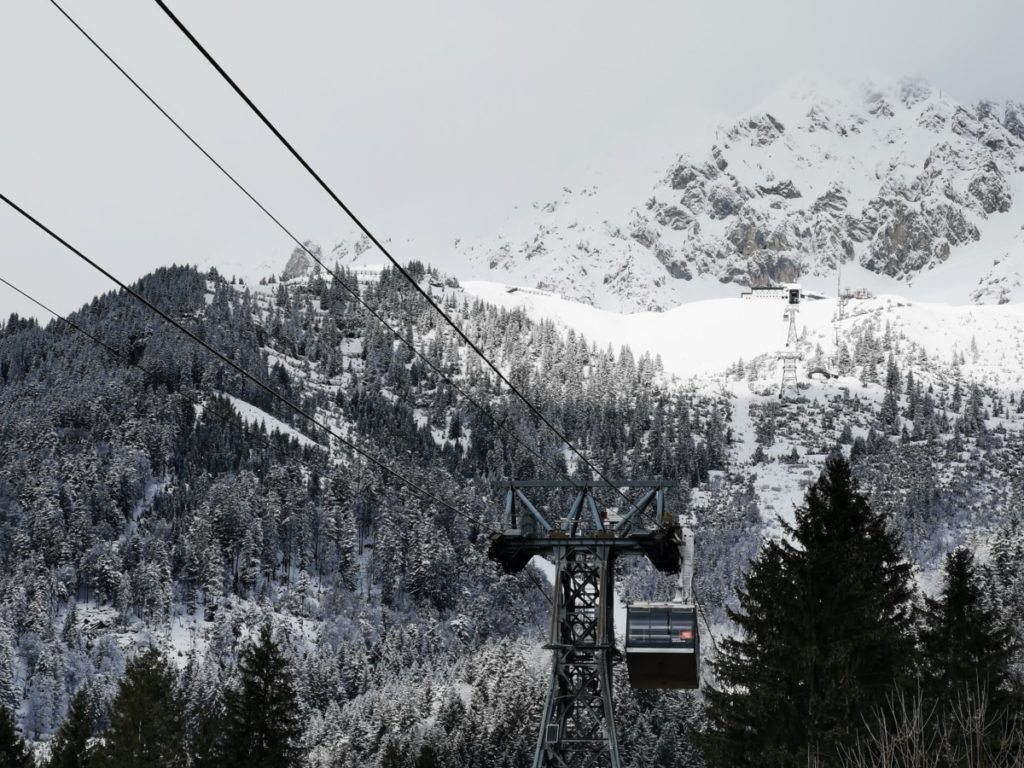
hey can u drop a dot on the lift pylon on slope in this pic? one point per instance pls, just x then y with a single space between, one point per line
578 725
791 355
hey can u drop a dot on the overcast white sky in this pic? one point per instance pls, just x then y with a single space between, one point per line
432 119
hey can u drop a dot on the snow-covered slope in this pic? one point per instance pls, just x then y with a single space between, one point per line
703 338
901 185
730 346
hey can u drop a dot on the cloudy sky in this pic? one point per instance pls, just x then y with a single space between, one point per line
431 119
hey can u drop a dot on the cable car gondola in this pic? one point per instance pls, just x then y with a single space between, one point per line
662 639
662 646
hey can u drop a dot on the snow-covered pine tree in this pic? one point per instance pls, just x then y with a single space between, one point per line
147 718
72 744
826 633
966 646
14 752
262 723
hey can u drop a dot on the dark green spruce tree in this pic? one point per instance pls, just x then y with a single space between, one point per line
147 718
966 647
14 752
262 726
69 748
826 634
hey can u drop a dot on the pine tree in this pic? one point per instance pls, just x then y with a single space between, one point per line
14 752
69 748
762 724
262 727
826 633
427 758
147 720
964 643
857 590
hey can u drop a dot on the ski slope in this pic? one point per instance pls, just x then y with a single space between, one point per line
702 338
254 415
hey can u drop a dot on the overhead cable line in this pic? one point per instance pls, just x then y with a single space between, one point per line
501 425
246 374
380 246
711 631
152 376
539 587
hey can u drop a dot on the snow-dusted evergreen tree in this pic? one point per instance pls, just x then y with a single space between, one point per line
14 752
262 724
826 633
147 718
72 744
966 646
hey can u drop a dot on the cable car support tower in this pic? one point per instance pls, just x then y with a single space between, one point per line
578 725
791 354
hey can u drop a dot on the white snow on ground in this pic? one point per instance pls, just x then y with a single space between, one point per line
702 338
699 340
696 338
256 415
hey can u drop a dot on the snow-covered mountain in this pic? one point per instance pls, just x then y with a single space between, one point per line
900 185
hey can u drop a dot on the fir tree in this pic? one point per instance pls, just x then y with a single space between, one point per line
754 719
262 726
69 748
826 634
427 758
14 752
856 586
147 721
965 645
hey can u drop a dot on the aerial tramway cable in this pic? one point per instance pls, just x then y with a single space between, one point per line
501 425
231 363
380 246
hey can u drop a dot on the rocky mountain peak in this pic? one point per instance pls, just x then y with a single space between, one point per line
300 264
895 179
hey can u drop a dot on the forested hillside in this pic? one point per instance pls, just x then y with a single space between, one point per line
132 517
166 525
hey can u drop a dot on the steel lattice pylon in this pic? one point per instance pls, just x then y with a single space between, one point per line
578 724
791 355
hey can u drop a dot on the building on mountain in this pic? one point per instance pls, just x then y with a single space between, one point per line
783 292
531 291
856 293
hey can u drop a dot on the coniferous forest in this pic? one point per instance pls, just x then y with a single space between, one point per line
192 575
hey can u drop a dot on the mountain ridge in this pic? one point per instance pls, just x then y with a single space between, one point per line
898 185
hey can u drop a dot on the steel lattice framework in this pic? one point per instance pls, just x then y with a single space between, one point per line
791 355
578 725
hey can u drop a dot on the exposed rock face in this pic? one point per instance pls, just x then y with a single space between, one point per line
895 179
300 264
1014 120
784 189
766 267
761 130
989 188
674 217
